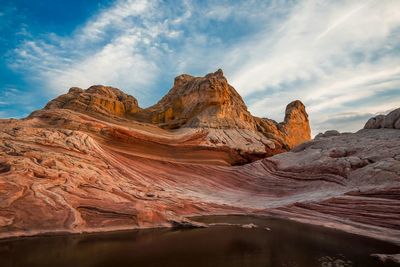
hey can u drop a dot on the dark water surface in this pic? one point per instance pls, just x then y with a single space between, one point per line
286 244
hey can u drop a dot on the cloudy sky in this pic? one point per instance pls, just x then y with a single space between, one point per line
341 58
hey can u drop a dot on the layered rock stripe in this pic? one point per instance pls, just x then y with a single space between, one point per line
93 160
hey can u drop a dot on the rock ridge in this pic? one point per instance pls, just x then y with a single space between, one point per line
389 121
97 99
209 104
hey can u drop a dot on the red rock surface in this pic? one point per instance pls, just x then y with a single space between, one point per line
75 171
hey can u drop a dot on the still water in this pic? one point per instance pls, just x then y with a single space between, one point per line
273 243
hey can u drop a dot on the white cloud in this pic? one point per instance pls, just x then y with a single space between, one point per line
312 56
115 17
338 57
297 51
119 47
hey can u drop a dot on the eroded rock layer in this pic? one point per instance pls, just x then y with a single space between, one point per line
97 100
63 171
207 104
93 160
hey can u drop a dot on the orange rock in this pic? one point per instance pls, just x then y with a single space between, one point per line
209 104
98 100
92 160
296 127
64 171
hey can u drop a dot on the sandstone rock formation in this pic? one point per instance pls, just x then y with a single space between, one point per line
296 127
83 165
97 100
207 104
62 171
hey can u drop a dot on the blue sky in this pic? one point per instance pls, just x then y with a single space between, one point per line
341 58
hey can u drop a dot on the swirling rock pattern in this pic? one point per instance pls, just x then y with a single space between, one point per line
61 171
66 170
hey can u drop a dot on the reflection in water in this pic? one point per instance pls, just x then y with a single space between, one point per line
288 244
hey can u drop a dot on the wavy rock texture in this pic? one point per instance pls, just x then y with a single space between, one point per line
64 171
77 171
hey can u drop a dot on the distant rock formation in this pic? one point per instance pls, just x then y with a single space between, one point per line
328 133
389 121
206 103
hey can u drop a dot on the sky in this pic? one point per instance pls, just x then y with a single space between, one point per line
340 58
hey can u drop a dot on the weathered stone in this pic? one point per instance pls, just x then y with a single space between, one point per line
328 133
208 103
78 173
296 127
375 122
83 164
97 100
390 121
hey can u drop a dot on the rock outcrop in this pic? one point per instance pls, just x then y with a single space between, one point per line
328 133
294 130
64 171
389 121
97 100
296 125
207 104
92 160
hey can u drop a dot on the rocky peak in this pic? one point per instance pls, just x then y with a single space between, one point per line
207 101
218 74
294 130
296 125
295 112
97 99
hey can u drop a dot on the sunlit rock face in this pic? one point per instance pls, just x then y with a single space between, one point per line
97 99
296 127
208 104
